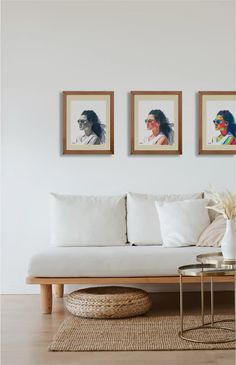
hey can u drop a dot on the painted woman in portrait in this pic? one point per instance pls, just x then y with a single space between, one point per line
161 131
224 123
93 129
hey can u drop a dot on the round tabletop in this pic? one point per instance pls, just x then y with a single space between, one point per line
216 259
205 270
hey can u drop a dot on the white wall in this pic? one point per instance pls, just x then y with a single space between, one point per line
61 45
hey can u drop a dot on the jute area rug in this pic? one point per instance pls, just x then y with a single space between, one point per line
144 333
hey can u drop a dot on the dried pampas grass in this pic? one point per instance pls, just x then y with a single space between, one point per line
224 203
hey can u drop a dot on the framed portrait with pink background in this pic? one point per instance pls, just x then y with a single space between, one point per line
156 122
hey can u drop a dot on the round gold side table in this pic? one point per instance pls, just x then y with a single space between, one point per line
212 265
216 259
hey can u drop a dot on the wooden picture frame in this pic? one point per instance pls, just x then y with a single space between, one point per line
217 116
153 136
88 122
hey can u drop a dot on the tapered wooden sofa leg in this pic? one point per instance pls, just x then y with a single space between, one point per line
59 290
46 298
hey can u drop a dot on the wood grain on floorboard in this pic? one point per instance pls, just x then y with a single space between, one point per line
26 334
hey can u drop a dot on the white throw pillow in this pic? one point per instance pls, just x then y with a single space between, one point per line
88 220
142 221
182 222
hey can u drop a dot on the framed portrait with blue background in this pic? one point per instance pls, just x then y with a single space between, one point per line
217 122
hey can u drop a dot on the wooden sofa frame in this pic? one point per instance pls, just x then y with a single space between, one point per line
47 282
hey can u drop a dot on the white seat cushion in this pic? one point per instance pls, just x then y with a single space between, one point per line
88 220
113 261
143 224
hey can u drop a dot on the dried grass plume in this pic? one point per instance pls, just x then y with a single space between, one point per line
224 203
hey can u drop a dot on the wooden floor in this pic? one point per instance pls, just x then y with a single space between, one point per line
26 334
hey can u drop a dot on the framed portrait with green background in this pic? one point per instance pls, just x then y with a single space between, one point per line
217 122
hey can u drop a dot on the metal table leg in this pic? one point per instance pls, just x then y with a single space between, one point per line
209 325
212 303
202 300
181 303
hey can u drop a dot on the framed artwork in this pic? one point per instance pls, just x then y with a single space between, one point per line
217 122
88 122
156 122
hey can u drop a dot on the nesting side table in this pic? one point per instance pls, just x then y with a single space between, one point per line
210 265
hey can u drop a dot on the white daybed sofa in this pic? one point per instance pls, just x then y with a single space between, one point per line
109 240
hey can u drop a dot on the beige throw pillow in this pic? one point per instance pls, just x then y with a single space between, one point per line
214 233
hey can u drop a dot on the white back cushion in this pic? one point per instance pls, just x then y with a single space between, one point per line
182 222
88 220
142 219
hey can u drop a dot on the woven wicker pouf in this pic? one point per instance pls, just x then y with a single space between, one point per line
108 302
